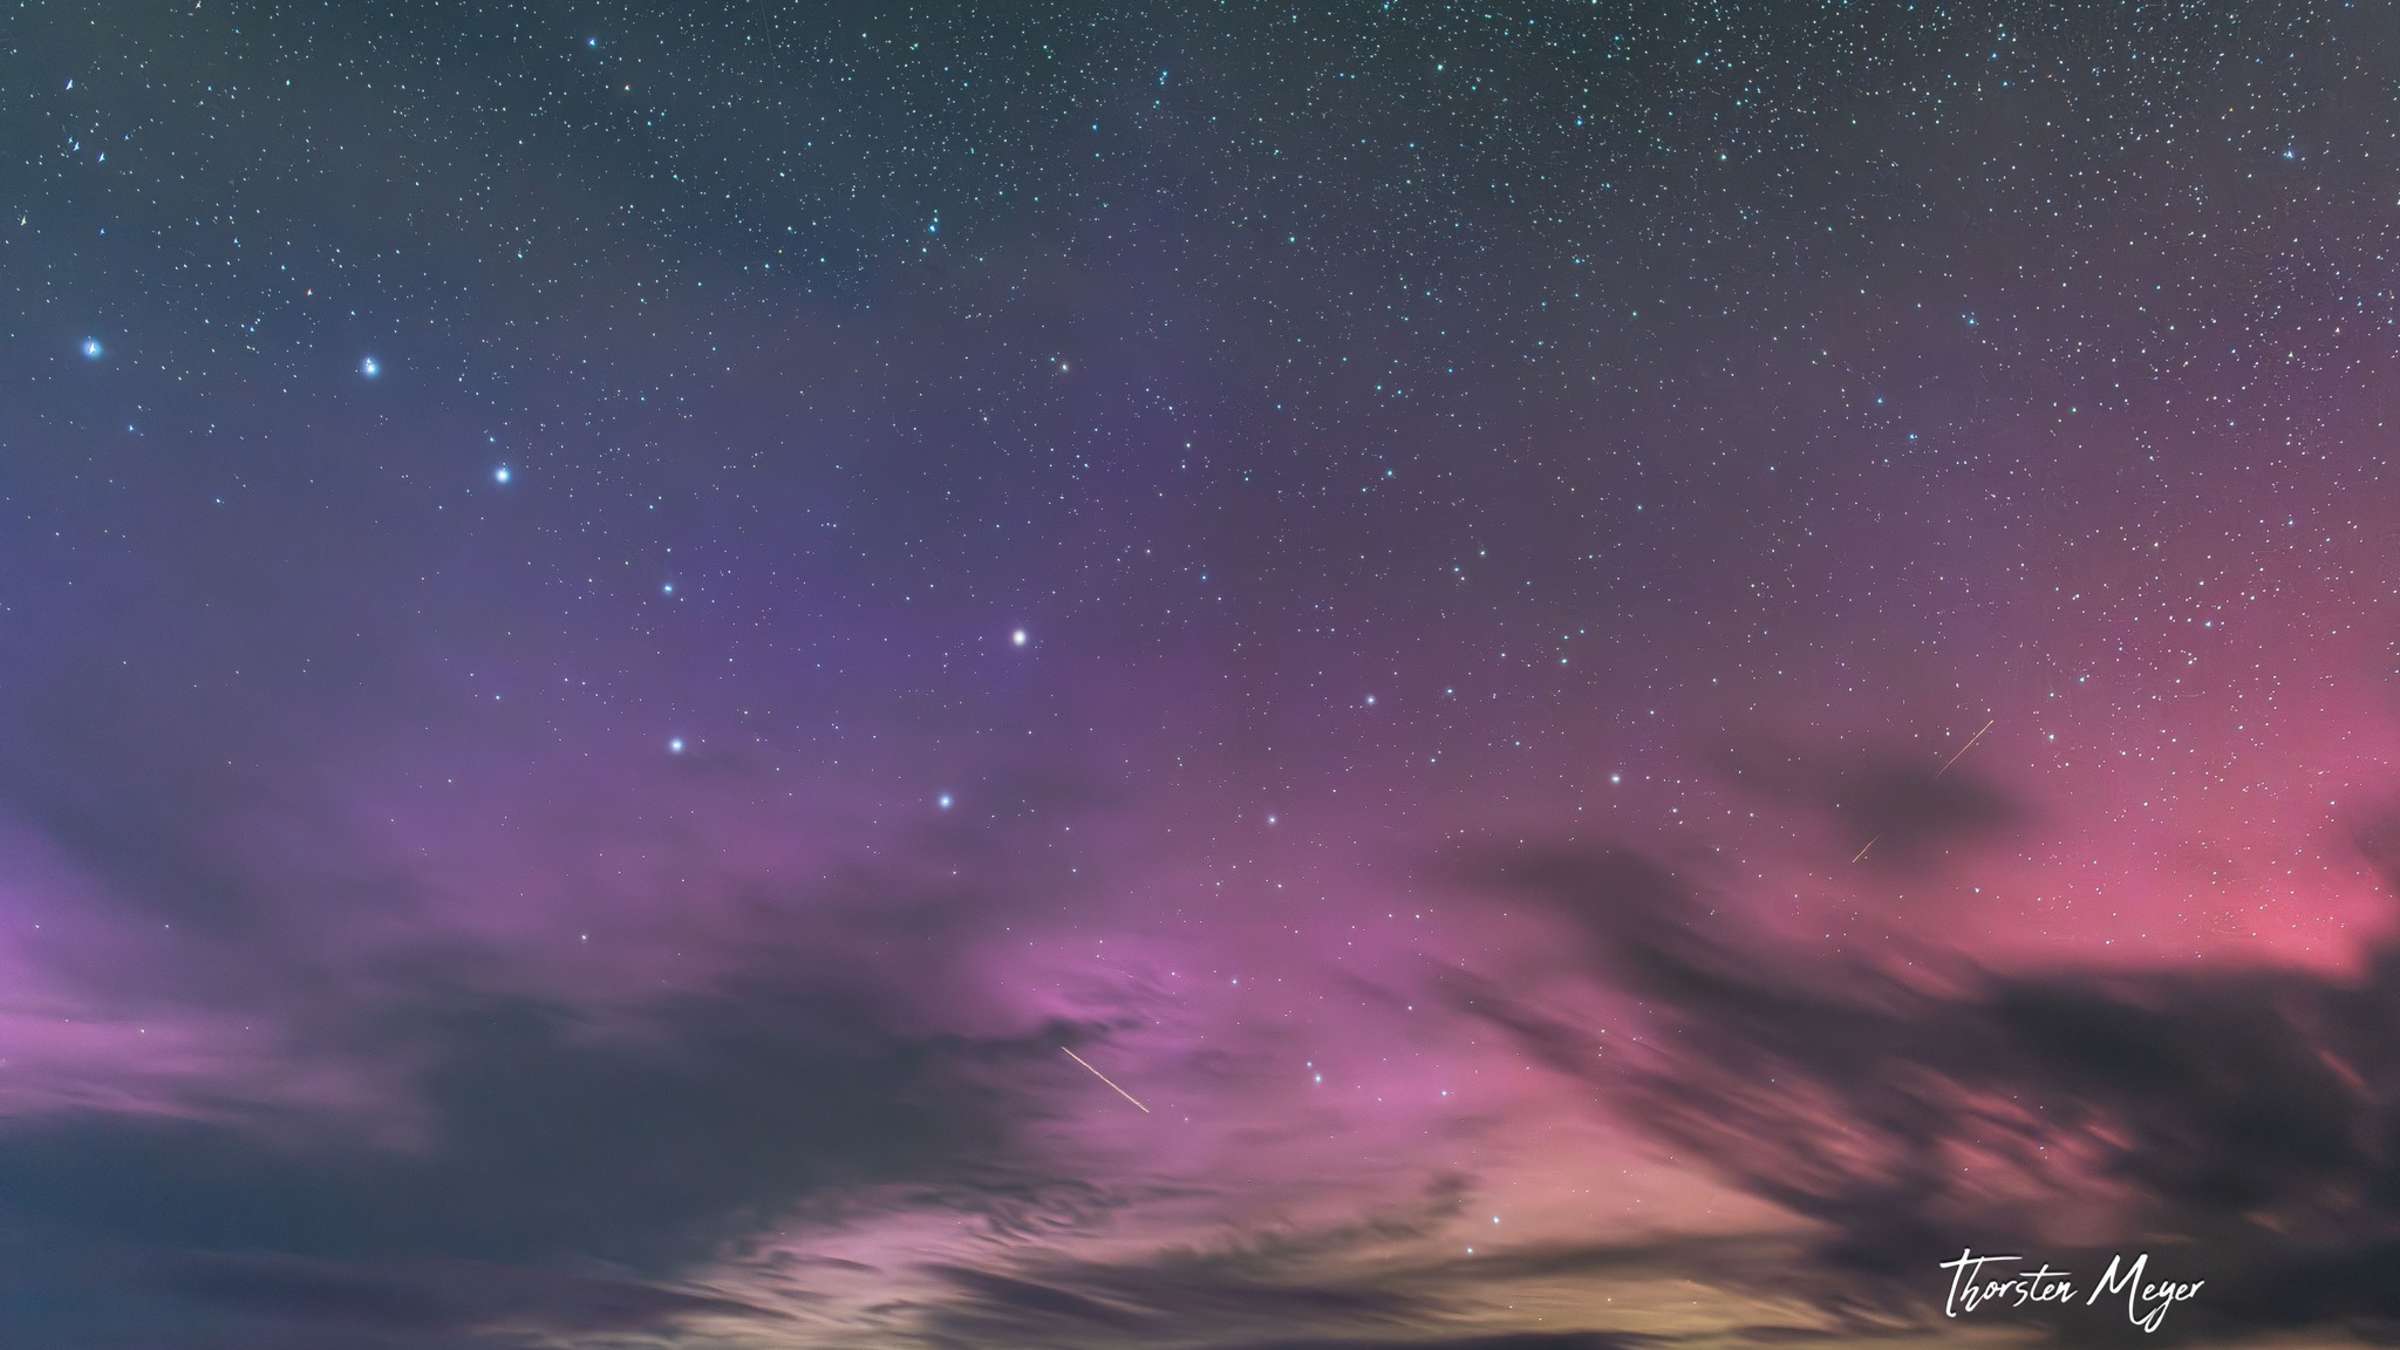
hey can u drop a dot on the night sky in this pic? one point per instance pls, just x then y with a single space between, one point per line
1632 670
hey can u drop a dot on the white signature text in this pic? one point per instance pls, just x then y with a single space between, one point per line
2007 1284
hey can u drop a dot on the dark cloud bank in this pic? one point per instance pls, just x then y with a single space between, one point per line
2239 1124
565 1177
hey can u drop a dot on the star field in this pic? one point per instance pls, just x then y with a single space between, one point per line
616 622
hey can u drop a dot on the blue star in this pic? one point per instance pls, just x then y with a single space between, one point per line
500 475
370 367
92 350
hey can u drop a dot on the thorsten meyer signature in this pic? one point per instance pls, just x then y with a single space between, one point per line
2146 1302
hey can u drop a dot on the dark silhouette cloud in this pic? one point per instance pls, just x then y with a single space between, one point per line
2233 1120
444 1298
1364 1286
1336 1281
1503 1341
551 1144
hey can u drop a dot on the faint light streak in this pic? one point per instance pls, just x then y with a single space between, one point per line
1105 1079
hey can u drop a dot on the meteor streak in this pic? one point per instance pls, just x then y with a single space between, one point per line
1962 750
1937 776
1105 1079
